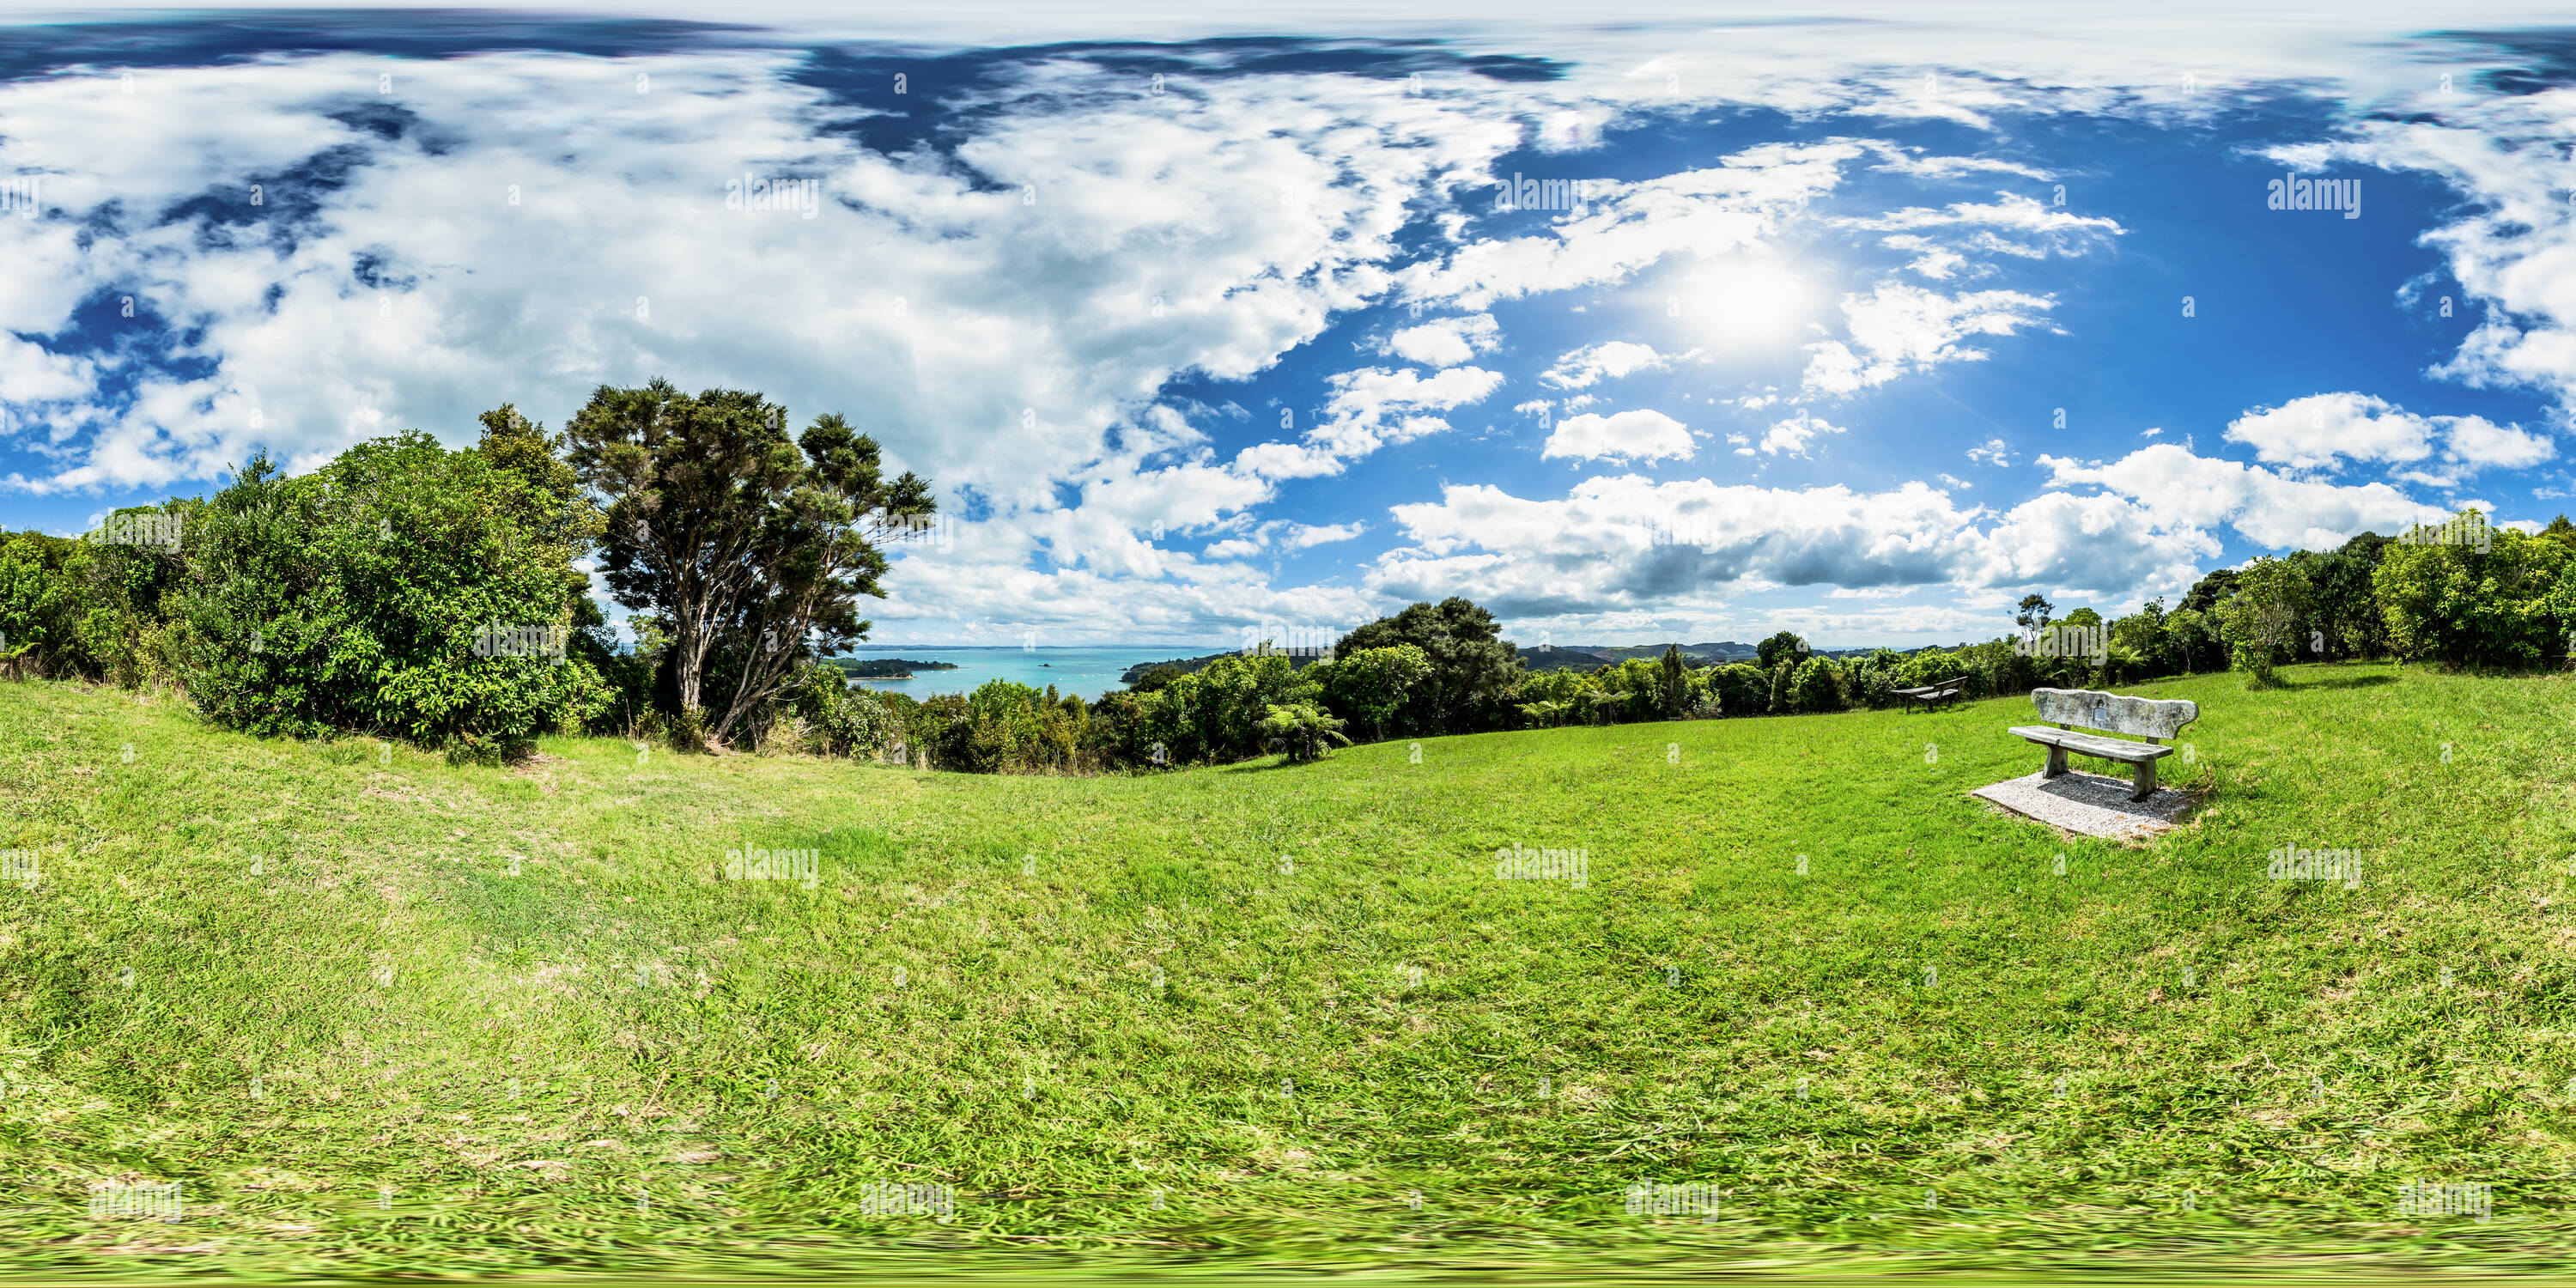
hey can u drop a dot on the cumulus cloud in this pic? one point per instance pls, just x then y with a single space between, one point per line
1791 436
1587 366
1899 328
2187 492
1370 408
1642 435
1623 542
1447 342
2323 431
1732 206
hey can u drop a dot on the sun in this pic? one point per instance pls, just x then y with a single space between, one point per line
1745 302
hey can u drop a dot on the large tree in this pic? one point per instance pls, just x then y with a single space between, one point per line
1784 644
1474 671
752 547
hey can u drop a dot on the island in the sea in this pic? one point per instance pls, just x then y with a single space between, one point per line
885 668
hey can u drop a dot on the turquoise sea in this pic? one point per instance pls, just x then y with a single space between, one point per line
1089 672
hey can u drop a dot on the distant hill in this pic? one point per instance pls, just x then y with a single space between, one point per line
1559 657
1592 657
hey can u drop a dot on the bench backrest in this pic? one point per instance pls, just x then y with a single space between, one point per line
2113 713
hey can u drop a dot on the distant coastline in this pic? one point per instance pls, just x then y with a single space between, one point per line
884 668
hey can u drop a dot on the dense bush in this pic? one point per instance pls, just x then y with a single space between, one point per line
1475 673
354 598
840 718
1740 690
1213 714
1368 686
2507 606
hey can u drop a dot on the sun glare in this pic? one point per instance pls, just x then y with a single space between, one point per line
1745 302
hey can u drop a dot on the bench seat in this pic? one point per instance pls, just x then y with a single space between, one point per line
1933 695
2085 744
2110 713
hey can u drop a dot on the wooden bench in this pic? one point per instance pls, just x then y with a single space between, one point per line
1932 695
2147 718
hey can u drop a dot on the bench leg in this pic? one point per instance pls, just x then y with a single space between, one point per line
2056 763
2146 784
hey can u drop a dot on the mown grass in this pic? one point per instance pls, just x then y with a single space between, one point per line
613 1058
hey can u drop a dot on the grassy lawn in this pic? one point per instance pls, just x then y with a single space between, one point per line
375 1011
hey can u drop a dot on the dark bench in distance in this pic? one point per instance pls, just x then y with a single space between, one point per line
1933 695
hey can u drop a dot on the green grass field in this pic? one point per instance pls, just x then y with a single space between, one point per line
377 1012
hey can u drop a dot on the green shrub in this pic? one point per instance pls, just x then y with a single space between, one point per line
1371 684
354 598
2260 618
1812 687
2507 606
1740 689
1301 731
842 719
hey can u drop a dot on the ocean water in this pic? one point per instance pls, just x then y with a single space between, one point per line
1089 672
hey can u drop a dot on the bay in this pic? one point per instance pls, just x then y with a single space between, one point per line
1086 670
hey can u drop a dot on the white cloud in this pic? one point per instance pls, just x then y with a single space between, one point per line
2477 443
1446 342
2187 492
1612 358
1898 329
1013 347
1375 406
1791 436
1302 535
1642 435
1623 542
2312 432
2042 230
2322 431
1991 452
1732 206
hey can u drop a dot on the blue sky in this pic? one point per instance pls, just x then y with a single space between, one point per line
1209 321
